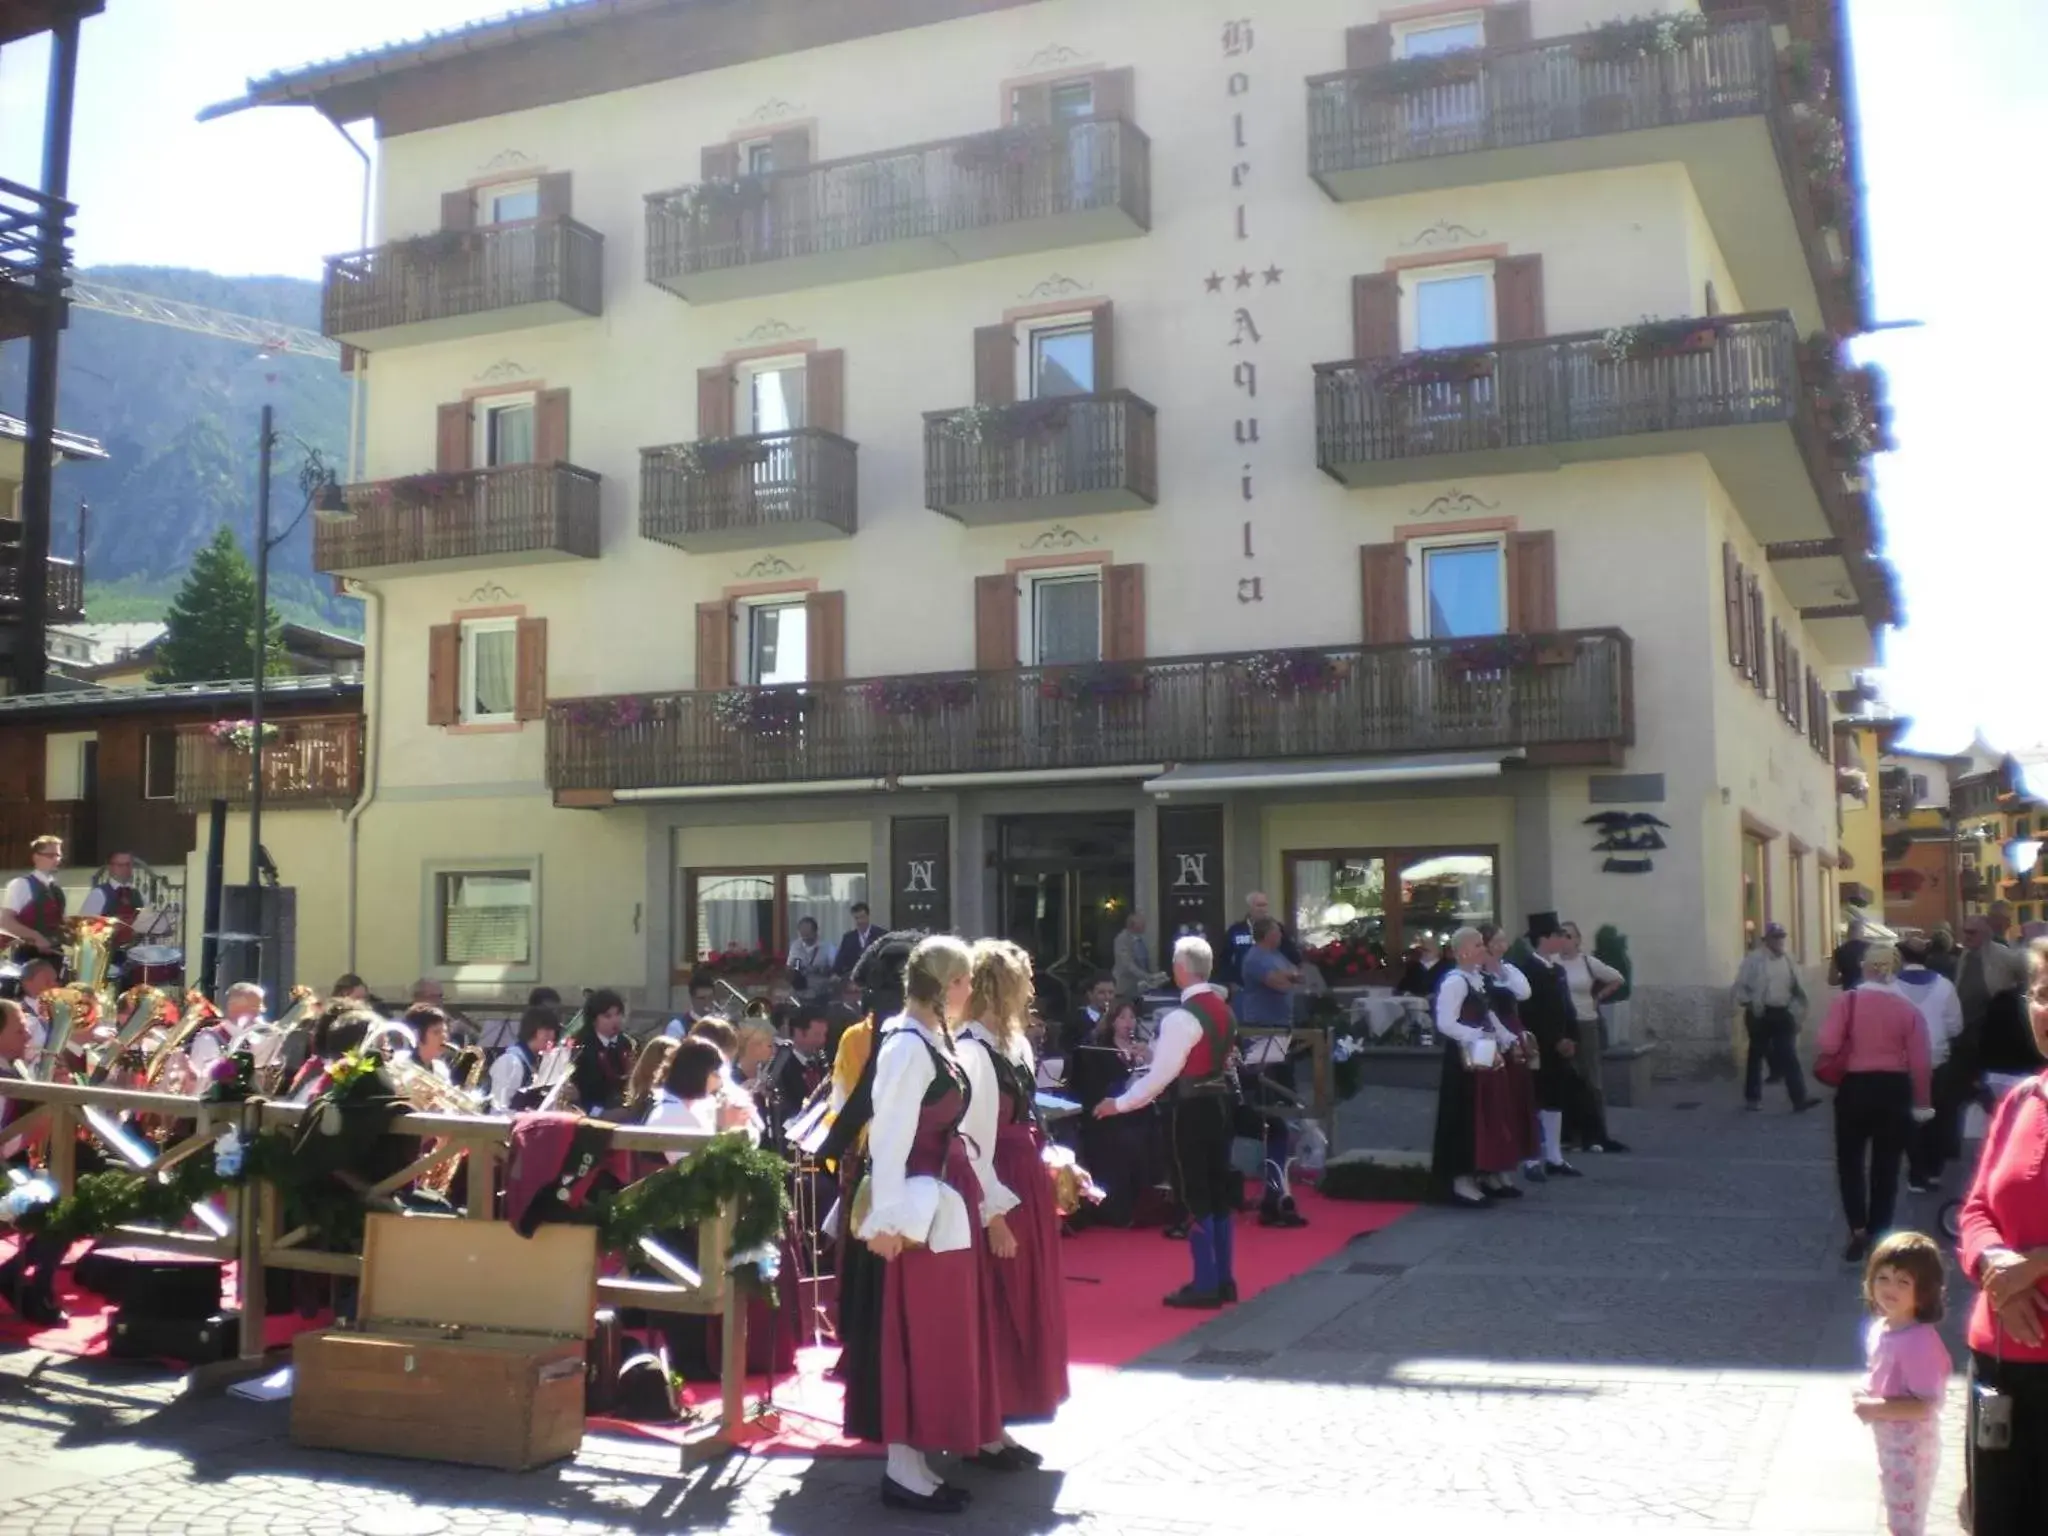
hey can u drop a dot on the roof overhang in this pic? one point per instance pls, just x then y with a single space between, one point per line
1329 773
69 445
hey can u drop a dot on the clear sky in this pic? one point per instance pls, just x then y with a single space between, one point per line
1954 111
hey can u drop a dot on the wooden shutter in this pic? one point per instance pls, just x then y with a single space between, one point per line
458 210
1518 298
1367 47
1508 25
824 391
530 696
444 674
551 427
1031 105
1778 663
451 438
1376 315
1532 582
1385 571
714 646
995 623
1105 348
825 637
790 149
720 162
1731 601
1123 613
714 402
554 195
1795 688
1113 92
1759 666
995 365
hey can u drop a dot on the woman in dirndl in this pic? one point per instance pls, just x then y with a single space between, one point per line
1030 1309
1506 990
1477 1145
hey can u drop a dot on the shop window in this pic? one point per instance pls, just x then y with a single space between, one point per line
755 911
1380 903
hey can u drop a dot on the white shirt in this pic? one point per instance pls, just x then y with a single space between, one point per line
21 891
985 1114
1941 1009
806 957
922 1208
670 1113
208 1046
1585 975
95 903
1450 1002
1179 1031
509 1073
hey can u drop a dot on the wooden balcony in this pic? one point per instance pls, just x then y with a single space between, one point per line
464 282
1065 456
750 492
1715 105
1006 193
65 603
1559 698
23 821
308 762
520 514
35 257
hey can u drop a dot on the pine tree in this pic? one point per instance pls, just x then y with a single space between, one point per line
208 624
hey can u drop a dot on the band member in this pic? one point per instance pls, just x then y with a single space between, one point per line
1030 1307
28 1280
241 1011
511 1072
429 1028
925 1220
1477 1145
37 977
798 1067
604 1056
32 909
1192 1057
117 899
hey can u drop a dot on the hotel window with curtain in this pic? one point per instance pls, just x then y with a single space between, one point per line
755 911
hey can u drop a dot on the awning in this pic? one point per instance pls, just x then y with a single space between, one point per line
1329 773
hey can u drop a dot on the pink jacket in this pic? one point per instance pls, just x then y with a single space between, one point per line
1884 1033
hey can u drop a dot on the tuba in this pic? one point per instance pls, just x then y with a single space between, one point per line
422 1089
89 956
73 1012
140 1010
197 1015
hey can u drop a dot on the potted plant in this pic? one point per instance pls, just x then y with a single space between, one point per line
239 735
1610 946
1651 338
975 424
1104 681
1428 368
1458 67
1490 654
1290 674
429 489
762 712
917 698
1642 37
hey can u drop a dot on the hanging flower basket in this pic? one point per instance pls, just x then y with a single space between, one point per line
1852 782
737 965
993 154
1642 37
916 698
1459 67
712 455
1425 369
426 490
612 714
1491 654
762 712
239 735
438 246
1080 685
709 200
1290 674
1649 338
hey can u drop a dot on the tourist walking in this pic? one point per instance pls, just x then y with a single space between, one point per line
1877 1038
1768 992
1907 1375
1941 1010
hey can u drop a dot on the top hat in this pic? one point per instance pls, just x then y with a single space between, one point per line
1543 925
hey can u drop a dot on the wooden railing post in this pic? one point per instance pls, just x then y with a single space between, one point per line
250 1291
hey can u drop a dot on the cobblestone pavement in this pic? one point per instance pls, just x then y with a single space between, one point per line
1665 1345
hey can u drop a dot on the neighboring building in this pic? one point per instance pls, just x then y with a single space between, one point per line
1861 741
1147 461
65 577
2002 799
1923 868
123 655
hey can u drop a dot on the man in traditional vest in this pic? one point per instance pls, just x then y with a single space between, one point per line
116 899
32 910
1192 1058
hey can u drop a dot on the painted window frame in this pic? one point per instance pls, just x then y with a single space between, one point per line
1419 25
487 201
1419 549
1413 280
481 412
1028 583
744 612
746 423
433 931
471 629
166 743
684 943
1030 332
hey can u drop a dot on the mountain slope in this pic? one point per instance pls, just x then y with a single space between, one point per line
178 413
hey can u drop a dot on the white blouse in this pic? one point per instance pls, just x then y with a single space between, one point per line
984 1115
669 1113
1450 1001
921 1208
1585 975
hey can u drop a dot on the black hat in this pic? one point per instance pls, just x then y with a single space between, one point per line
1543 925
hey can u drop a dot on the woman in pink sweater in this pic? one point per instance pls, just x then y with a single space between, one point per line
1887 1089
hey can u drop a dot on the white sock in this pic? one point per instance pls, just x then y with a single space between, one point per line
910 1471
1552 1121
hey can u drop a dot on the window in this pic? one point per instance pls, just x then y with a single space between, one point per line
1756 886
771 396
775 640
490 669
1388 900
758 157
1919 782
65 773
504 430
485 917
1450 306
160 765
1062 618
755 911
1073 101
1440 34
1057 359
509 203
1795 920
1459 588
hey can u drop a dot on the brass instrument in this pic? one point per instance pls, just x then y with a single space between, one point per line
197 1015
273 1051
141 1009
422 1088
71 1013
89 954
732 1002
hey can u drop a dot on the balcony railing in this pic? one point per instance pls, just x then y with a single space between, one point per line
23 821
308 762
514 514
1067 454
458 282
741 492
34 255
1003 193
1565 696
65 600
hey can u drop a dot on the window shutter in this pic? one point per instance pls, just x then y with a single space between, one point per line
1532 582
825 636
1795 678
1366 47
1376 315
1385 572
354 359
824 392
451 438
444 674
1113 92
458 210
1105 347
1518 298
1123 613
1031 106
714 402
720 162
530 697
551 427
995 365
1508 25
1759 666
790 149
1731 601
995 623
554 195
1778 663
714 646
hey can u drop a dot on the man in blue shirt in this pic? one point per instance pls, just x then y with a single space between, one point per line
1265 1000
1237 942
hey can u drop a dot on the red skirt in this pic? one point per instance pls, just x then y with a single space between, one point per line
1503 1121
1028 1291
1522 1094
939 1371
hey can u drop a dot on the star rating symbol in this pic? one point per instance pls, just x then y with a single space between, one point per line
1213 282
1244 277
1272 276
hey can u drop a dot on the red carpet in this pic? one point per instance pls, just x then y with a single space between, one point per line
1114 1282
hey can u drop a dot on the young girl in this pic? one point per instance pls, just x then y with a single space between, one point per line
1909 1368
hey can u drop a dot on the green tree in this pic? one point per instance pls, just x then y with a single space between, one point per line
209 621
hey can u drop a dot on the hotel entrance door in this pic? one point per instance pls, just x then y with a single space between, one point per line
1066 886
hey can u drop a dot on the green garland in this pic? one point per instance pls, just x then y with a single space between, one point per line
729 1169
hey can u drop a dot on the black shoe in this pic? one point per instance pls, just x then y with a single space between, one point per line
1011 1458
1507 1192
1282 1215
1478 1202
1810 1102
34 1305
1858 1249
1611 1145
947 1501
1177 1232
1562 1170
1228 1291
1188 1299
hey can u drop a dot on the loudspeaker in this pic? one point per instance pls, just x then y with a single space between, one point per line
144 1282
272 912
191 1340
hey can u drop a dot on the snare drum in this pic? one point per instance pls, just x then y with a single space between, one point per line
153 965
